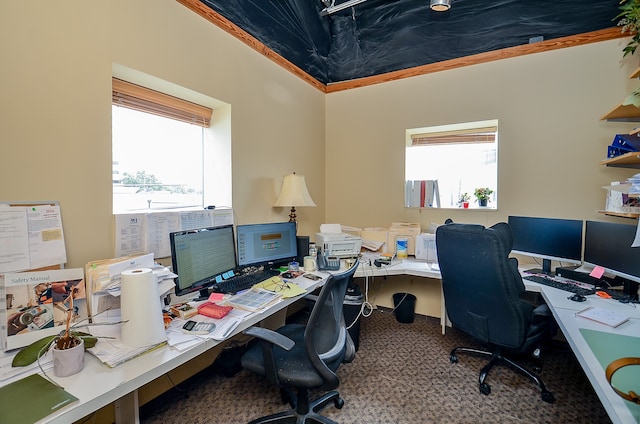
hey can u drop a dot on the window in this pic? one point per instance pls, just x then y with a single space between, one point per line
163 150
444 163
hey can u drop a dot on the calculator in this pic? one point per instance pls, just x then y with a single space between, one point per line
198 327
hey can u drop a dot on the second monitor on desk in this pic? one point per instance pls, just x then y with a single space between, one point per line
547 239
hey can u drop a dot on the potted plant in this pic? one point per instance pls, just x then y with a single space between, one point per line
482 195
68 348
463 201
629 20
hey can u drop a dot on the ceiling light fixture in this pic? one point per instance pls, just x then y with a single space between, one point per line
440 5
331 7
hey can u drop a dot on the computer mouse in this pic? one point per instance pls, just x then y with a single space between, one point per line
577 298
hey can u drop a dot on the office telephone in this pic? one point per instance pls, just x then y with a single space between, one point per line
327 263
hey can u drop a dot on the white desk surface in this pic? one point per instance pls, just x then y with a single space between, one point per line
564 311
98 385
107 385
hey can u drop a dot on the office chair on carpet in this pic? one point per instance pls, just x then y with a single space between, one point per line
482 291
303 357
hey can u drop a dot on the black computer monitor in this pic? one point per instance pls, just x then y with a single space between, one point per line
547 239
266 244
608 245
202 257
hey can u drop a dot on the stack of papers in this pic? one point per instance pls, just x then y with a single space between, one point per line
286 289
635 184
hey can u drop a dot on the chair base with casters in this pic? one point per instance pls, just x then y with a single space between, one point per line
302 410
496 358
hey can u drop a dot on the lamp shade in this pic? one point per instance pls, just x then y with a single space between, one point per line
294 192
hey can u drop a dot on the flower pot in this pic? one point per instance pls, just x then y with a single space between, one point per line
465 205
67 362
482 202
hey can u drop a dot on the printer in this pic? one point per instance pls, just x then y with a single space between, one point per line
334 243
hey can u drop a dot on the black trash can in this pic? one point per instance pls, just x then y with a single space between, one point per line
404 305
353 301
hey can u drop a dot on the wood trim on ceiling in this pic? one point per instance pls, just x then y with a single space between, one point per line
557 43
231 28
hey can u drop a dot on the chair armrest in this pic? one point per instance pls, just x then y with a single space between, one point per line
311 297
270 336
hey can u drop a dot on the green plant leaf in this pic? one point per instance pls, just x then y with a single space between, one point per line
29 354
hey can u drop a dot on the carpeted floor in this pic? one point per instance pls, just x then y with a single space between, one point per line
401 374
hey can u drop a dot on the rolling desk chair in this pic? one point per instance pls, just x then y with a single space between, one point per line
305 357
482 289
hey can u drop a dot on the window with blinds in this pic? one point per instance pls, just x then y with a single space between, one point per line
158 149
445 165
142 99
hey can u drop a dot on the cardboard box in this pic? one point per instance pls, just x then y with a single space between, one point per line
376 234
403 229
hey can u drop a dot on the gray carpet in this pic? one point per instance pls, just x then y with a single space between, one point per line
401 374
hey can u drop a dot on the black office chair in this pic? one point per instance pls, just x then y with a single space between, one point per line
303 357
482 292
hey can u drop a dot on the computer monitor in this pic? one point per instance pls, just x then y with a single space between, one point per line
266 244
201 257
547 239
608 245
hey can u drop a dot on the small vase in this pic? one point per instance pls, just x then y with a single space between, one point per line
67 362
482 202
465 205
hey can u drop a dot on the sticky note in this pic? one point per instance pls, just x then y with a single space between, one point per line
597 272
216 297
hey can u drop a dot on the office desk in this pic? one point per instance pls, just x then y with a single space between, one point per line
98 385
409 267
564 311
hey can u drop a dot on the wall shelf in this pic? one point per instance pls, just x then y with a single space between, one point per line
628 160
621 214
623 113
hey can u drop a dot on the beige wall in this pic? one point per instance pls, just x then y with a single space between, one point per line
56 139
55 117
550 136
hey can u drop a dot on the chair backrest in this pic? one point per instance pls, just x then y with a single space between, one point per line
481 284
326 333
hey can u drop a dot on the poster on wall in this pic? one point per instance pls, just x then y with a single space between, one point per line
37 304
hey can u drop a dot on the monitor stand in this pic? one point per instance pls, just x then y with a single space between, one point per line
204 295
546 269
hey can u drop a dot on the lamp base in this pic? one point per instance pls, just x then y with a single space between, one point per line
292 215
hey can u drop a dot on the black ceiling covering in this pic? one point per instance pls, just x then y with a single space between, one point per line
381 36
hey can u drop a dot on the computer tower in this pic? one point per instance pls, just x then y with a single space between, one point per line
302 243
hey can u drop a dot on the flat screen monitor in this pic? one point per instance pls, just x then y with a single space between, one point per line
266 244
202 257
549 239
608 245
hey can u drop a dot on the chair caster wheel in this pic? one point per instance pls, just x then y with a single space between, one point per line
338 403
548 397
453 358
485 389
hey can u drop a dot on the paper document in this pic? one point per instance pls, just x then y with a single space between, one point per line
286 289
253 299
604 316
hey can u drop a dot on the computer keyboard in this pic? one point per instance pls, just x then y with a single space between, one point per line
574 287
562 285
244 281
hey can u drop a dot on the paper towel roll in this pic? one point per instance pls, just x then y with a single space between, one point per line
141 309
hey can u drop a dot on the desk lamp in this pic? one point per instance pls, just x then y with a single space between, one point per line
294 193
